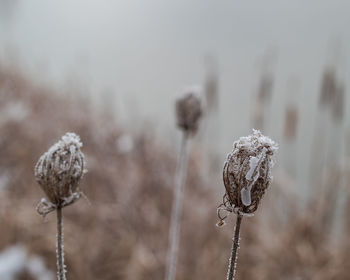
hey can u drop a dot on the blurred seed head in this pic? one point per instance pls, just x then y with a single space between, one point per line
247 171
328 86
188 112
291 122
59 171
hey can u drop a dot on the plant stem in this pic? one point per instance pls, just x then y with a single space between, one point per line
234 251
176 211
61 272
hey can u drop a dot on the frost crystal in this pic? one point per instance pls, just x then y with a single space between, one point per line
59 171
247 171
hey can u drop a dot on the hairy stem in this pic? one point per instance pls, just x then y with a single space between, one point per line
61 272
234 251
176 211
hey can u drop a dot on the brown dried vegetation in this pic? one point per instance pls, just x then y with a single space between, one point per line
123 234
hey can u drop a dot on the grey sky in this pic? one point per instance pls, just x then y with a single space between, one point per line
147 51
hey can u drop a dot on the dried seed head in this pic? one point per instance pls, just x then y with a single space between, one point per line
328 86
247 171
188 112
59 171
291 122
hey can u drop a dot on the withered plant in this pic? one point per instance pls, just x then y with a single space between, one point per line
246 175
58 173
188 112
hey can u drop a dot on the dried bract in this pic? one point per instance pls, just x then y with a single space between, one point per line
188 112
247 172
59 171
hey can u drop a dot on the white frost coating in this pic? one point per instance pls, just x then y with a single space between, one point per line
251 142
61 164
253 163
70 140
59 171
254 167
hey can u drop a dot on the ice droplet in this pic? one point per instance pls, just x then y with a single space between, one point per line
245 196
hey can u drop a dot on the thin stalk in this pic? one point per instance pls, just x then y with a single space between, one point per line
234 251
61 271
176 211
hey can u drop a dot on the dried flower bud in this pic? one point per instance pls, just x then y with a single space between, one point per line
188 112
247 171
59 171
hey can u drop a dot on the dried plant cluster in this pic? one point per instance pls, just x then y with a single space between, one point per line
188 112
59 171
247 171
246 175
131 209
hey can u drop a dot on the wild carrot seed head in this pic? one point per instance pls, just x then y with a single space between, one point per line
60 169
247 171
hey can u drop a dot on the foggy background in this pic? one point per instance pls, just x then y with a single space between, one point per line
135 57
111 71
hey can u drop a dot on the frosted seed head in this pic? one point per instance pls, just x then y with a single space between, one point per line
188 112
60 169
247 171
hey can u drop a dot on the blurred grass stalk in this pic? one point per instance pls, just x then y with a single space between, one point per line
177 207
